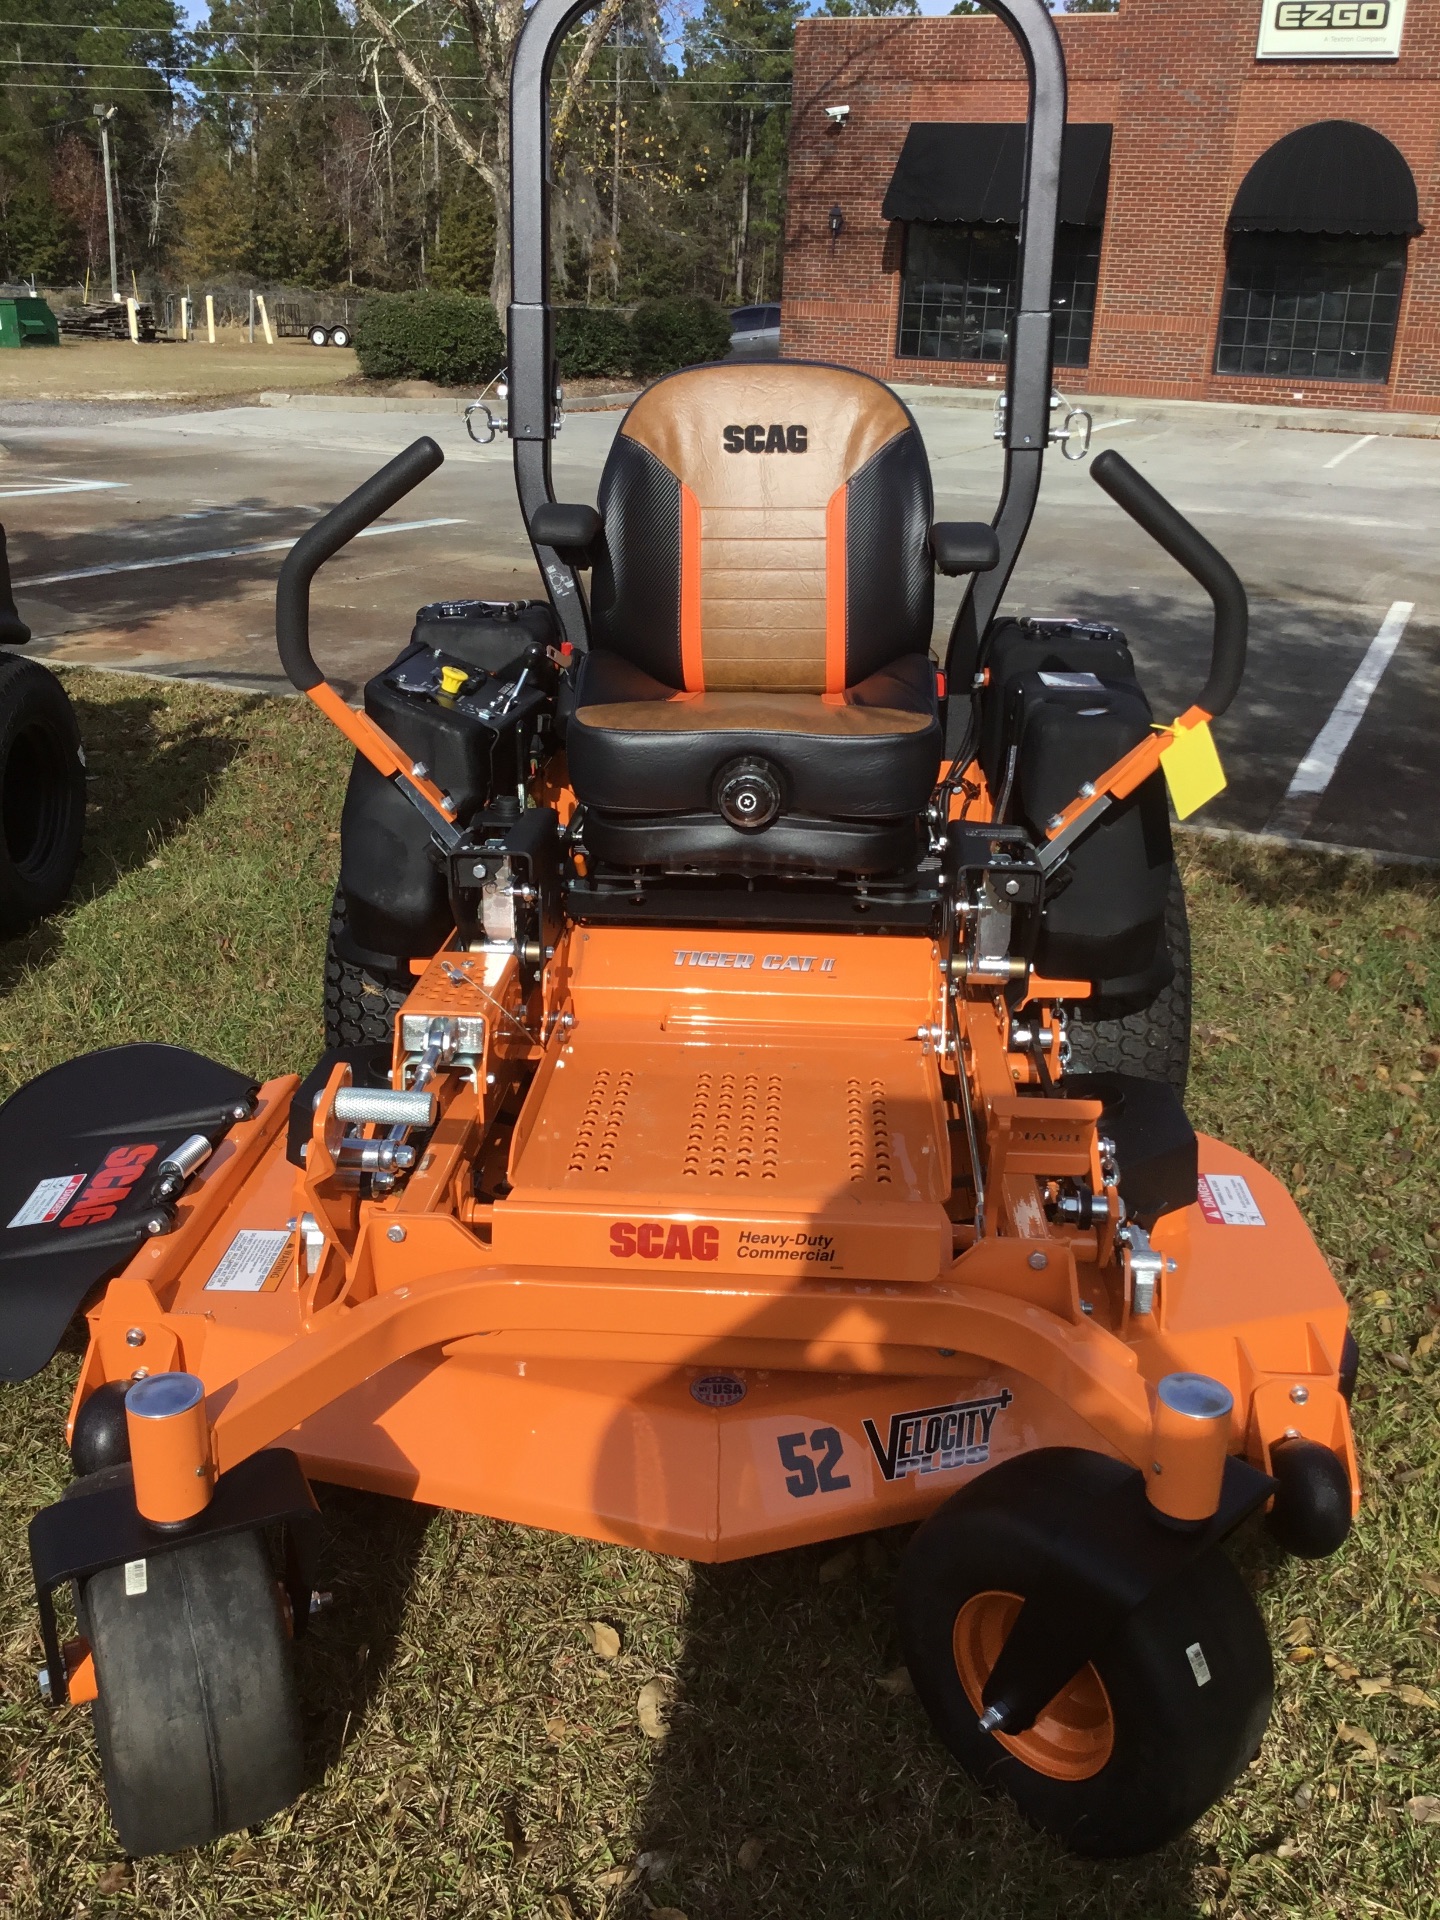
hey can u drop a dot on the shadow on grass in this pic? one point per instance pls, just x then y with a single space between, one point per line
371 1549
1282 877
147 780
798 1782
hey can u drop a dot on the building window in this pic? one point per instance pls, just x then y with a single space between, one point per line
1311 306
958 292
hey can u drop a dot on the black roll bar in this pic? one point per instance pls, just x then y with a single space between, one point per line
1028 381
1031 366
532 325
1169 528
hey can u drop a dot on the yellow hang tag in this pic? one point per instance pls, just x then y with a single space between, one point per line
1192 767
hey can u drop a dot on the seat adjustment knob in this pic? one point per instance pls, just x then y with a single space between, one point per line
748 794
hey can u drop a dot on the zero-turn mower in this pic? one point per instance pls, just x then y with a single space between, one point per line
752 1115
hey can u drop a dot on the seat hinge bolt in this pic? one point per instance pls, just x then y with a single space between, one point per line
1299 1395
135 1337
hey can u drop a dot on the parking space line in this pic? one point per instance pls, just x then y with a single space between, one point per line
1106 425
1354 447
60 486
219 553
1317 769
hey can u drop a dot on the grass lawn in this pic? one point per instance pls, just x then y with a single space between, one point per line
171 369
470 1754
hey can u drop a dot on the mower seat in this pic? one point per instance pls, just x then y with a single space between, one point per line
759 695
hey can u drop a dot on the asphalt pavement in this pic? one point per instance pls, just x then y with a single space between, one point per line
149 539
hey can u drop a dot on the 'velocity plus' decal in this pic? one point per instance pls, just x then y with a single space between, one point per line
934 1439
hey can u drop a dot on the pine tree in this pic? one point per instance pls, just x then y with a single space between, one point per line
746 48
464 254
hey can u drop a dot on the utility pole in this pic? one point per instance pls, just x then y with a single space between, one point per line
105 115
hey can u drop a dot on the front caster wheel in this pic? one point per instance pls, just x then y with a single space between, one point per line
197 1719
1142 1741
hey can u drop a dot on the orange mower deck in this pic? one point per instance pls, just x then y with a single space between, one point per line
728 1302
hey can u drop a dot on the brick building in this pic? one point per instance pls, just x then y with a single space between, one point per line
1234 227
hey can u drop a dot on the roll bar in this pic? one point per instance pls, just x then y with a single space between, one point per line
1169 528
532 321
1031 368
532 349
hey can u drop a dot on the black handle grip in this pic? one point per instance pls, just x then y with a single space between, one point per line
310 552
1153 512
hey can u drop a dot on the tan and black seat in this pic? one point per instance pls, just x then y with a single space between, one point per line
759 694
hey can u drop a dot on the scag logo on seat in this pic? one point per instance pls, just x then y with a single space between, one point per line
767 439
663 1240
109 1185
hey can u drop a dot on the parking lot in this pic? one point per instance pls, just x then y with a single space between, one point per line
149 539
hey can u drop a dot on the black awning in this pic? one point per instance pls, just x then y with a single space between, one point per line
970 172
1333 177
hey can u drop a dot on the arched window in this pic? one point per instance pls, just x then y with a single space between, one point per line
1316 261
956 186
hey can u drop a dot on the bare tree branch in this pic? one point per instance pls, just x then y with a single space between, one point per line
430 92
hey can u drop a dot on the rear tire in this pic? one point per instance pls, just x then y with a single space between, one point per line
339 336
197 1718
1136 1748
319 337
360 1002
42 794
1153 1044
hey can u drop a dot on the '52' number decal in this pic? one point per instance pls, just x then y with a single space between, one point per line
805 1475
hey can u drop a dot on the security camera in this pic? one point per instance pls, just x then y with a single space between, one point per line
837 116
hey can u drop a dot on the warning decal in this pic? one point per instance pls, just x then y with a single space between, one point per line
49 1200
1226 1201
249 1261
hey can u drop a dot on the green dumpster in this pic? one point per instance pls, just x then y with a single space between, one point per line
27 323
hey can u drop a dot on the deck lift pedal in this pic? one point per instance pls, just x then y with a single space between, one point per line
717 1148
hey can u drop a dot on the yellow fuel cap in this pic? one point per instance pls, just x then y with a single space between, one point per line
452 679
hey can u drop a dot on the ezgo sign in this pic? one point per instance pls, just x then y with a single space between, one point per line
1331 29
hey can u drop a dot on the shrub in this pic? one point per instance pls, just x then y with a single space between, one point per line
447 337
592 343
678 332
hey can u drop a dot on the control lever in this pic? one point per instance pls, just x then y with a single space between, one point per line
292 630
1169 528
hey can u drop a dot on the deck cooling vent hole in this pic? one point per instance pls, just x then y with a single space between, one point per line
734 1127
600 1124
867 1132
